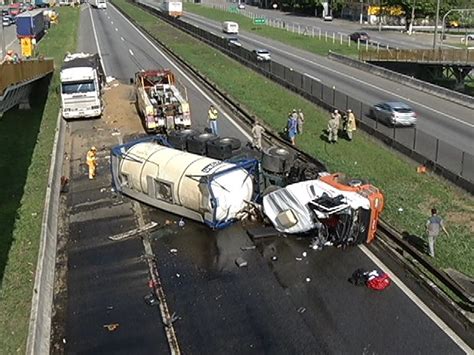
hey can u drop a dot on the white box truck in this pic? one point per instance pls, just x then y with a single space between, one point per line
230 27
99 4
82 78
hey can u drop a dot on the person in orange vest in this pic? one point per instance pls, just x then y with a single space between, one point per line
92 162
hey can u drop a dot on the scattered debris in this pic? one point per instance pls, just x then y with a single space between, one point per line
248 248
274 258
34 214
111 327
109 79
168 222
400 209
421 169
304 254
301 310
152 284
181 223
109 308
169 322
173 251
178 275
103 189
64 340
64 183
375 279
116 132
328 244
151 299
241 262
298 259
307 279
133 232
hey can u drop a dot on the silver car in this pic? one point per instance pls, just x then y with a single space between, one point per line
394 113
262 55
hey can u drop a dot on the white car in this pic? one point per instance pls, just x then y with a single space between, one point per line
262 55
234 42
241 6
470 37
327 17
7 21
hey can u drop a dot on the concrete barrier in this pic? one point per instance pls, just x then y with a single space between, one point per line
432 89
38 341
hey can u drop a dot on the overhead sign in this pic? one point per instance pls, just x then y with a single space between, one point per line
259 21
26 47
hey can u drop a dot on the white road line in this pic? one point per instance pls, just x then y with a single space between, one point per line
112 22
97 42
416 300
122 38
379 263
130 51
266 45
208 98
116 29
312 77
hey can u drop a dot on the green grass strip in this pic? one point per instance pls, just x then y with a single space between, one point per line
409 196
27 140
315 45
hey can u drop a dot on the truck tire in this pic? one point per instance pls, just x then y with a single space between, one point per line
197 144
178 139
277 160
217 149
234 142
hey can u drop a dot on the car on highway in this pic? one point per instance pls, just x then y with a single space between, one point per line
7 20
262 55
241 6
233 42
470 37
327 18
394 113
359 36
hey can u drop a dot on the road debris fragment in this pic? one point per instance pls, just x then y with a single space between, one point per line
133 232
111 327
301 310
173 251
308 279
241 262
248 248
151 300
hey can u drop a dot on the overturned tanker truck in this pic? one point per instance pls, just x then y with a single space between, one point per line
212 180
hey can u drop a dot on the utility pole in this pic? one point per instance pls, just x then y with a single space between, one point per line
361 11
3 42
436 25
410 29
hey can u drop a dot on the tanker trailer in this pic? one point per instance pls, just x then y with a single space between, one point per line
193 186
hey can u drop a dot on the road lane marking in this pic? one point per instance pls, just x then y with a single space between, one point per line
122 38
130 51
97 42
112 22
116 29
416 300
312 77
208 98
266 45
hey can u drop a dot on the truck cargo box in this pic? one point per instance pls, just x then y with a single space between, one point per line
85 60
30 24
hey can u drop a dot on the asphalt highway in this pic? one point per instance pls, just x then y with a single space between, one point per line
448 121
275 305
9 38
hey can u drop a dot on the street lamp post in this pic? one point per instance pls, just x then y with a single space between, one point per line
436 25
361 10
444 21
3 42
410 29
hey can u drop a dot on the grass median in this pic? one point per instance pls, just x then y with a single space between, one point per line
27 139
409 196
307 42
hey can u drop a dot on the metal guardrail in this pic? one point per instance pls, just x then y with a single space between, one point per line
441 56
11 74
387 230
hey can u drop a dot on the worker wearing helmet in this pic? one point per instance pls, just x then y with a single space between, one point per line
333 126
350 124
92 162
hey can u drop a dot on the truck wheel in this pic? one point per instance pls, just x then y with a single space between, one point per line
217 149
234 142
178 139
198 144
277 160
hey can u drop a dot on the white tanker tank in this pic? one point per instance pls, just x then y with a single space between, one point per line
203 189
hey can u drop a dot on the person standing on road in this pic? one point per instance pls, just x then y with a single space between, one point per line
333 126
300 121
292 127
92 162
434 225
257 132
350 124
212 118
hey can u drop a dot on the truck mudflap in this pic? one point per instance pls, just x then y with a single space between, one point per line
317 208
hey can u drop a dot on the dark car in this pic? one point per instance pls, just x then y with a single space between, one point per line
359 36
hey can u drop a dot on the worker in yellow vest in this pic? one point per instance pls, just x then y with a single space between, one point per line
212 118
92 162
